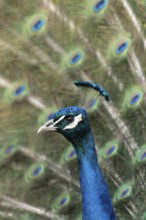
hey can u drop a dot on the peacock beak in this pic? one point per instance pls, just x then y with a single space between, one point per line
49 126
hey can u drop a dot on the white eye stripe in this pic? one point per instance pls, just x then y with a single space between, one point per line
60 119
76 121
51 123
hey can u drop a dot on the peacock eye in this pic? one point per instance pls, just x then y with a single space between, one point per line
69 119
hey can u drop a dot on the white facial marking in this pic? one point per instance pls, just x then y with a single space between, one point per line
76 121
50 125
60 119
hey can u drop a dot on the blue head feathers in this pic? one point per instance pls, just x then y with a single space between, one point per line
68 121
73 120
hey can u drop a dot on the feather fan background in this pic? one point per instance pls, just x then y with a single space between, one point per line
45 46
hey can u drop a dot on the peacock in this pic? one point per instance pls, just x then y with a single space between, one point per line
72 123
45 46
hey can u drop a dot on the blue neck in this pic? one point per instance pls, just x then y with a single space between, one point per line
96 203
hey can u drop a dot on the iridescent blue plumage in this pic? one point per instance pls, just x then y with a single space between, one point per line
72 122
94 86
66 111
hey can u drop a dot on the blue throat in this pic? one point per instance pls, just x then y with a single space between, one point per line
96 203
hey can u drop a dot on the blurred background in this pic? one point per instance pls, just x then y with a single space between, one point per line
44 46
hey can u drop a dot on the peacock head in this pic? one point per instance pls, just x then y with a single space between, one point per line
71 122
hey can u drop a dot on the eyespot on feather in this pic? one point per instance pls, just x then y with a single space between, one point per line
119 46
123 192
74 58
61 202
68 155
17 92
97 8
134 97
34 172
